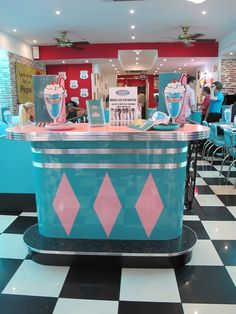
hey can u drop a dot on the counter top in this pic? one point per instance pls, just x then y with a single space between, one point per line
83 132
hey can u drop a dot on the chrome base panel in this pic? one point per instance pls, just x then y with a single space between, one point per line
108 253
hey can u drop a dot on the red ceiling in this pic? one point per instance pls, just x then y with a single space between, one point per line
200 49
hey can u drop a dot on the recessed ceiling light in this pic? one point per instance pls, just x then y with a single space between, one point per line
132 26
115 69
35 41
110 60
137 52
137 58
231 53
185 65
196 1
164 60
133 37
113 65
175 71
180 69
58 12
63 61
14 30
192 60
161 65
204 12
158 69
136 62
86 61
131 11
155 71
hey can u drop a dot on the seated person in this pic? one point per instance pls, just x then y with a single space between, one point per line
216 99
73 111
206 102
26 113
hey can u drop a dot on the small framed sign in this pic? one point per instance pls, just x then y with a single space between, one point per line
95 113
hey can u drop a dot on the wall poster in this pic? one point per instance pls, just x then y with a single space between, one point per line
24 82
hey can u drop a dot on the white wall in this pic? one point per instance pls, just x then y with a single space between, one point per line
110 80
227 44
14 45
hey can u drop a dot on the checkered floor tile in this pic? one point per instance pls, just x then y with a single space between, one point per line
207 284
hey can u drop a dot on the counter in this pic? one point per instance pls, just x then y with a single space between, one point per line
109 183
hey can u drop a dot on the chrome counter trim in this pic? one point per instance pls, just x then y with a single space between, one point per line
109 136
107 166
106 151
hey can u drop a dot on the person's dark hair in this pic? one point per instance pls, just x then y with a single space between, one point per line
207 90
218 85
191 79
141 91
71 102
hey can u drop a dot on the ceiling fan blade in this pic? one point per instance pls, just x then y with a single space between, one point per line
206 39
197 35
81 43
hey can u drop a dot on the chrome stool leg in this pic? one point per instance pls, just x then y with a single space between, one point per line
231 165
204 148
209 151
213 155
222 164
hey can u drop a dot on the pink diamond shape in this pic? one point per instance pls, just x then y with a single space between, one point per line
107 205
66 204
149 205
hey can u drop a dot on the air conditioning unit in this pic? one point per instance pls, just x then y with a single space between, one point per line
136 72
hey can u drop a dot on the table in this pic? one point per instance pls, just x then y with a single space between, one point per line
110 191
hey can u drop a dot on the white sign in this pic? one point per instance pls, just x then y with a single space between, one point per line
84 74
73 84
84 92
122 105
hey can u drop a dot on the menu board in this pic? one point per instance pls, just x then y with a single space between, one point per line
122 105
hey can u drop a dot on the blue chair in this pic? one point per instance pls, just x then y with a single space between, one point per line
14 120
209 143
222 112
232 151
228 144
3 127
218 141
196 116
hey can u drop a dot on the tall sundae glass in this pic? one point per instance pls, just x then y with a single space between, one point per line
174 95
53 97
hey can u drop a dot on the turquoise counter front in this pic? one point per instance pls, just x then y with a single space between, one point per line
110 182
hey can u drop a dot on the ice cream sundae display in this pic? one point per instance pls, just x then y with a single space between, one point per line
53 97
174 95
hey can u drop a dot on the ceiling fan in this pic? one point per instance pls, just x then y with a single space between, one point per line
64 42
188 39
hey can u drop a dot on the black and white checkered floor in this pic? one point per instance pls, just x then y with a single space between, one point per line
206 285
